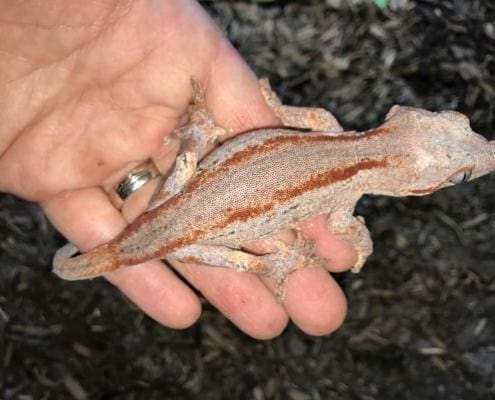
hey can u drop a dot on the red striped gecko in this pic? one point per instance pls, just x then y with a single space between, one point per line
268 180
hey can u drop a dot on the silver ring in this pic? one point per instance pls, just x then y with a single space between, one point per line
133 182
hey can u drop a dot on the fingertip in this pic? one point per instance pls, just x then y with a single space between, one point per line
315 302
342 260
340 255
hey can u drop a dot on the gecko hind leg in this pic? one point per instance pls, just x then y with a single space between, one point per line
315 119
277 265
195 136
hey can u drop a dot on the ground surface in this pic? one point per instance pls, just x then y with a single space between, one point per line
420 322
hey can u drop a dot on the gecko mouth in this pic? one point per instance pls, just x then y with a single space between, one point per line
451 180
421 192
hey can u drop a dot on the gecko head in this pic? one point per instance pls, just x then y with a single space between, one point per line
439 149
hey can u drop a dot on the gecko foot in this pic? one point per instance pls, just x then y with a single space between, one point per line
287 259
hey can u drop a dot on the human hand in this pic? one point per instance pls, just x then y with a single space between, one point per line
88 91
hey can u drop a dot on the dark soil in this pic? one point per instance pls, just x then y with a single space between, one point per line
421 314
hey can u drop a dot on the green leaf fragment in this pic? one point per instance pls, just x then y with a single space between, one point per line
381 3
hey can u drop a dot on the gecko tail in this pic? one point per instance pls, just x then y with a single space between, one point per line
84 266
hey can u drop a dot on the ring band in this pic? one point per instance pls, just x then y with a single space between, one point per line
139 176
133 182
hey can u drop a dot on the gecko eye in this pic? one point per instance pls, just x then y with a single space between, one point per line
461 177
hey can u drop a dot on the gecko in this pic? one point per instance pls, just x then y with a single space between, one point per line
268 180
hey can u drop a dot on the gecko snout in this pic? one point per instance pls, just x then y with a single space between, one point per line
492 153
486 160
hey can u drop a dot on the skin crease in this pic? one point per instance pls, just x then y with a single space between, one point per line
90 89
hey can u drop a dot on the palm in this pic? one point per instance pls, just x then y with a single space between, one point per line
108 95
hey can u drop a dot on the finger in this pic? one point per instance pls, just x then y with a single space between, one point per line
87 218
241 297
340 254
155 289
314 301
233 94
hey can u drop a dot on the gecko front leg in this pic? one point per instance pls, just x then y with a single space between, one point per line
352 229
195 136
315 119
